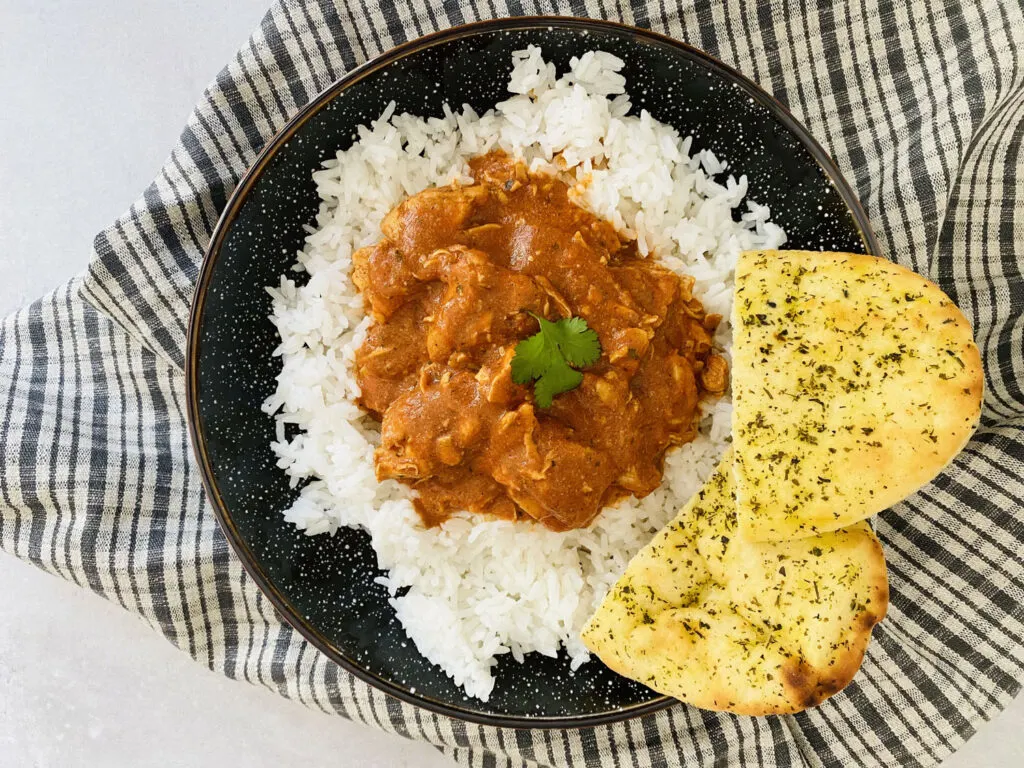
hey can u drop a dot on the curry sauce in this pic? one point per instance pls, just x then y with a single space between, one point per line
451 288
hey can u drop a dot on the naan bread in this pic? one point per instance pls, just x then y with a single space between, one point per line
855 381
727 624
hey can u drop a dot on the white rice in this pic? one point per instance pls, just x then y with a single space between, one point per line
479 588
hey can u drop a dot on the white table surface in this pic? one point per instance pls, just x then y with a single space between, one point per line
93 95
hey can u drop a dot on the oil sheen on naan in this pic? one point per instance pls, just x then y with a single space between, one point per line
855 382
724 623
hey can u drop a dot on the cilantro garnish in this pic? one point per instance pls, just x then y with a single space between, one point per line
551 356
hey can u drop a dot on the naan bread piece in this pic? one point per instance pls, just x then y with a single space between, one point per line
855 381
728 624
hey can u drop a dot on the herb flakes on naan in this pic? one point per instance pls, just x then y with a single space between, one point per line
855 382
723 623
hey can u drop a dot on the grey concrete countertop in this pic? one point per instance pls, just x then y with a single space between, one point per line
93 96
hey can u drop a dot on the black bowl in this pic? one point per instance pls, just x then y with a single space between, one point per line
325 586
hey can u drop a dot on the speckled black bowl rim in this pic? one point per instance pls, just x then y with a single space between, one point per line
235 203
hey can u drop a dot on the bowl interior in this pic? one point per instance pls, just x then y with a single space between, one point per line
325 585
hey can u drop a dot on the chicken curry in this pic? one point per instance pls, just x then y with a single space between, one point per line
457 282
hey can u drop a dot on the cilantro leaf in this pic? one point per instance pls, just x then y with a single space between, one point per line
578 343
550 357
533 356
556 380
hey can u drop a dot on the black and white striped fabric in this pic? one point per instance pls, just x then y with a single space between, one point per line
922 104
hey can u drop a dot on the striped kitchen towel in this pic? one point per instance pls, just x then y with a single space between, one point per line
922 105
